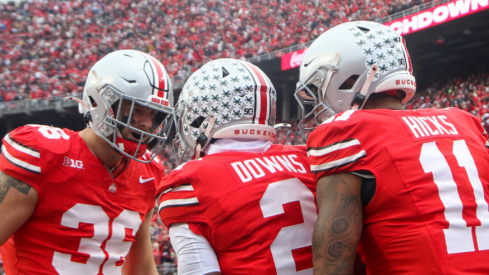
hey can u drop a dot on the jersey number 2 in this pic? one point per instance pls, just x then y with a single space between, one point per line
294 236
458 235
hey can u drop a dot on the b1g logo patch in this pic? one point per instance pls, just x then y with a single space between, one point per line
73 163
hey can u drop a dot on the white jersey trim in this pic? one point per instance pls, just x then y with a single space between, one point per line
332 148
339 162
186 187
22 149
178 202
19 162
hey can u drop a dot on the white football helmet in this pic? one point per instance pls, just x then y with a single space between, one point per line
225 98
348 63
129 80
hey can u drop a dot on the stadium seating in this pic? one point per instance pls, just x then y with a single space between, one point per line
48 46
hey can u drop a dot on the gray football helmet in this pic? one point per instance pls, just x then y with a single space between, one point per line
225 98
348 63
132 80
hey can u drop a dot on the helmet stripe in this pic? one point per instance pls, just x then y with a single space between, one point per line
160 77
263 108
409 66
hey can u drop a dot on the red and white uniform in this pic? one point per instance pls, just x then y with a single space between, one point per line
84 221
429 214
256 210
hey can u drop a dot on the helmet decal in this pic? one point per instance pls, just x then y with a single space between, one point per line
336 73
382 47
161 78
262 104
408 57
117 85
229 96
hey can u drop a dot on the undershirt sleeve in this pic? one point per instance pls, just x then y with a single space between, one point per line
195 254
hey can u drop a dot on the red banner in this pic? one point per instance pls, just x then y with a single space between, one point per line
293 59
412 23
437 15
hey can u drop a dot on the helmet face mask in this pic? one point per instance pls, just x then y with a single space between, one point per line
225 98
348 63
128 110
128 103
310 98
181 148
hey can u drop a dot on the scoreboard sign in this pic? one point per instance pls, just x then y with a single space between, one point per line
437 15
415 22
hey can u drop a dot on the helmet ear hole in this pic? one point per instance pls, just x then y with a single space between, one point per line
92 101
197 122
349 83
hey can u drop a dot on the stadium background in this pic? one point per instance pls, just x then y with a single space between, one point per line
445 57
448 51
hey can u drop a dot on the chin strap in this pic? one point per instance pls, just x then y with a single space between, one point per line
83 104
332 68
202 139
281 125
118 168
359 98
86 116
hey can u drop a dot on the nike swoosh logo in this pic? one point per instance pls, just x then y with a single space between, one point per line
307 64
141 180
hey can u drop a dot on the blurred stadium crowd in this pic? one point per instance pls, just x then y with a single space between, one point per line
47 48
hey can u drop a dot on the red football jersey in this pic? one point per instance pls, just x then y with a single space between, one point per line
429 214
257 210
84 221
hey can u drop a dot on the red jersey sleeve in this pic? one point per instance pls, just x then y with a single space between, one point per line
26 150
333 147
178 201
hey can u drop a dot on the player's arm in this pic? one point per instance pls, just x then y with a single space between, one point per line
17 203
194 252
140 258
339 224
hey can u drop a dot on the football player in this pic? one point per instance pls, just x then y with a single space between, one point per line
410 187
81 202
242 205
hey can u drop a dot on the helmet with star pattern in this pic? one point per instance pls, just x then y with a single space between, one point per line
345 65
225 98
